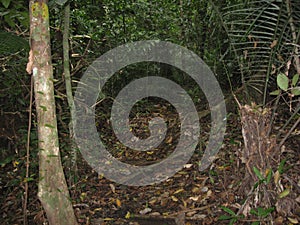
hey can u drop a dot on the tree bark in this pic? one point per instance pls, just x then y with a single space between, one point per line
52 188
68 84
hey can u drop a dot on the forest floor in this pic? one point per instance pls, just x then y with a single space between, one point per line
190 197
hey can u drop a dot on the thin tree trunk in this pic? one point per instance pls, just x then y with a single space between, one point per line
68 83
52 189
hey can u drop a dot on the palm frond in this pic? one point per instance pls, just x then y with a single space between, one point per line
261 38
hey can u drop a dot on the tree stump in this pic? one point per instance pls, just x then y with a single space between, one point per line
260 154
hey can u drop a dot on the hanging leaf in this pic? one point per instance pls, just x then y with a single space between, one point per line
295 80
282 81
277 92
296 91
61 2
5 3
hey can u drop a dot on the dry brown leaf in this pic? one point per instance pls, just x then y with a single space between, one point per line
191 213
278 221
145 211
118 202
276 177
274 43
30 63
293 220
113 188
174 198
194 198
178 191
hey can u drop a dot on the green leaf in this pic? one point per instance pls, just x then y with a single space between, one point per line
258 174
44 108
282 81
296 91
261 212
224 217
61 2
277 92
229 211
52 156
284 193
49 125
255 223
28 179
281 166
9 21
295 79
232 221
58 96
5 3
269 177
6 160
253 212
4 13
269 210
256 185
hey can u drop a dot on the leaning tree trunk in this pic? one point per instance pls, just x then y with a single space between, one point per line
52 189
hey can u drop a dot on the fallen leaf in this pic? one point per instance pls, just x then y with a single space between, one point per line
190 214
82 196
276 177
174 198
118 202
153 201
292 220
169 140
127 216
284 193
113 188
155 214
187 166
208 194
278 221
196 190
108 219
180 219
145 211
178 191
198 216
165 194
195 198
204 189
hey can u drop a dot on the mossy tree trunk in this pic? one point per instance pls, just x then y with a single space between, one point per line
52 189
